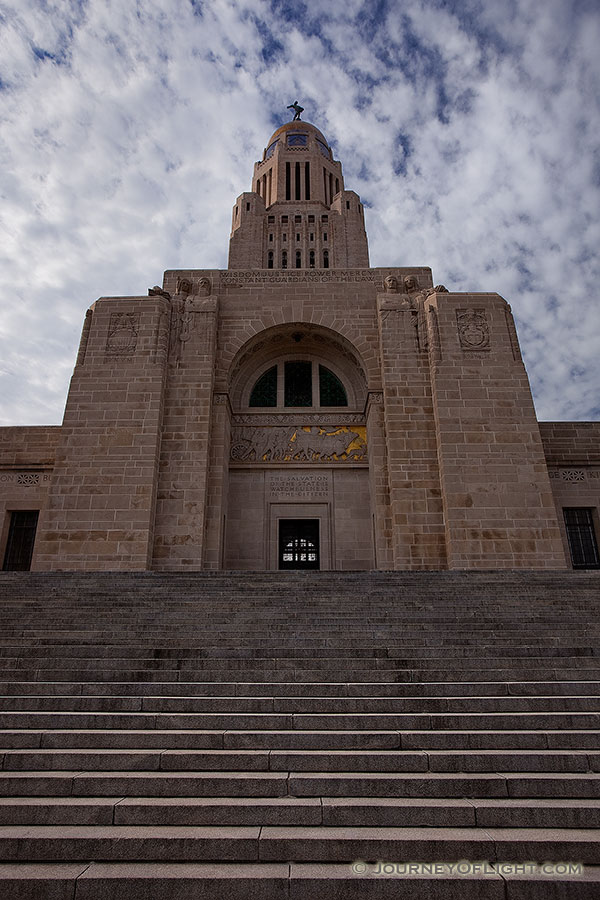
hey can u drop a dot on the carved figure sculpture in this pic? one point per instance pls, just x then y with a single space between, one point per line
390 283
157 291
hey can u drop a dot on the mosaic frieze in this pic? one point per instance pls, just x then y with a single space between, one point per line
299 443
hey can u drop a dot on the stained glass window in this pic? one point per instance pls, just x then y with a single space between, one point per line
323 148
271 149
297 140
264 392
331 389
298 383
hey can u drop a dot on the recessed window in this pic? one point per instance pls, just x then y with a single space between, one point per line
298 383
311 259
270 237
264 392
271 220
284 219
299 380
297 218
583 546
247 207
270 260
298 259
331 389
297 140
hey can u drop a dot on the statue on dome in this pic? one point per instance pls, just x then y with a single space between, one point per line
297 110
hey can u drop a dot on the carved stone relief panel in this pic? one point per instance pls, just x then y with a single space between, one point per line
473 329
122 334
299 443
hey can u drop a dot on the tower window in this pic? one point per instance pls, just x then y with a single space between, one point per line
271 149
297 236
347 204
297 140
312 236
288 181
297 181
284 220
271 220
325 259
284 259
324 218
307 181
270 260
270 237
284 236
247 207
311 219
298 259
324 235
297 218
582 540
264 392
311 259
298 383
331 389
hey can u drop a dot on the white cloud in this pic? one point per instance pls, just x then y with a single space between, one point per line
123 156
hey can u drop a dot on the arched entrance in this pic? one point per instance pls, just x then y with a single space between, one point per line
298 461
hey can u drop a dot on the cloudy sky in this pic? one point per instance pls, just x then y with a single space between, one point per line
470 129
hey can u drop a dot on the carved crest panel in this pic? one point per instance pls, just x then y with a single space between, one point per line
473 329
122 334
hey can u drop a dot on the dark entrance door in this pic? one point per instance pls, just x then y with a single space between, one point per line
298 543
21 537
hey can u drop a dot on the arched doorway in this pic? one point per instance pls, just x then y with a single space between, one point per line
298 460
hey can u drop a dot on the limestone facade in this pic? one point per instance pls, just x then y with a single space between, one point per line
300 409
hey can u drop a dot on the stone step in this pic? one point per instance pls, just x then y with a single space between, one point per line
298 704
169 760
303 689
488 721
55 739
296 881
425 784
41 843
292 811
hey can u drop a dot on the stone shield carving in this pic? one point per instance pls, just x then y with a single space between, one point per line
473 329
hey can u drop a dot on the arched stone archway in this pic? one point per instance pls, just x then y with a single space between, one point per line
294 463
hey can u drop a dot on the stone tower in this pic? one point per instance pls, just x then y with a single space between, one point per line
296 410
298 216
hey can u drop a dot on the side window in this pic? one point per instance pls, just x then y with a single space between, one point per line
21 538
331 389
582 539
264 392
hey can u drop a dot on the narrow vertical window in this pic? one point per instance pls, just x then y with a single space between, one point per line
582 539
264 392
298 383
298 259
325 259
311 259
307 181
337 185
284 259
288 181
325 184
21 538
297 181
270 260
270 187
330 187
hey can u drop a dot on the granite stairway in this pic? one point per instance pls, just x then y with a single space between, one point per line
349 735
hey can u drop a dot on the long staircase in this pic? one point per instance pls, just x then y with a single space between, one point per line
299 736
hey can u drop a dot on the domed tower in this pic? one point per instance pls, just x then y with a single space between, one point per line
298 215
